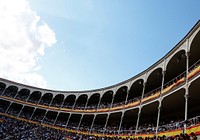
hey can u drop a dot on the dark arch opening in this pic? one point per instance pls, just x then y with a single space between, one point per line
81 102
93 101
106 99
120 96
148 118
154 82
58 100
23 94
176 67
195 50
11 91
4 105
62 119
172 111
69 101
74 121
129 121
35 97
50 117
113 123
86 123
26 112
99 123
194 99
14 109
38 114
2 87
135 91
46 99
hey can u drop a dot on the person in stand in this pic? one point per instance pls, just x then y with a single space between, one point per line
193 136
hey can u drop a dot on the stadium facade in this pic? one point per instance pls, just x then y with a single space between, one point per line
162 100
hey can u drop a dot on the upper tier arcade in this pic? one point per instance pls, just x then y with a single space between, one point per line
141 97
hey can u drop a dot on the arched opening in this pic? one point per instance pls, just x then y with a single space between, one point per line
176 68
35 97
2 87
81 102
154 82
74 121
23 94
148 118
120 96
38 114
99 123
58 100
195 50
86 123
93 101
194 99
14 109
46 99
129 121
62 119
106 99
135 92
11 91
113 123
172 111
50 117
69 101
26 112
4 105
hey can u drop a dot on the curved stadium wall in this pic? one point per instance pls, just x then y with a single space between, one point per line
162 100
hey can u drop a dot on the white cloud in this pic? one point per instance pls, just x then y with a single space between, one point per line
22 40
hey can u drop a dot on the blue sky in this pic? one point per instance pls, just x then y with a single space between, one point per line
101 43
104 42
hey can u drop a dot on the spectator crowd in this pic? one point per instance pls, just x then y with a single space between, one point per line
14 129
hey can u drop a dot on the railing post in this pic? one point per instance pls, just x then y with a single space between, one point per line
56 118
160 102
79 122
123 111
105 126
62 103
99 102
20 111
86 104
3 91
51 101
121 121
28 97
158 118
92 123
137 124
32 113
9 107
186 91
74 104
40 99
138 119
44 116
68 120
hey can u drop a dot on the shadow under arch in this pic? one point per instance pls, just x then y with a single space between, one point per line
93 101
69 101
120 95
35 97
194 50
136 89
154 80
176 66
